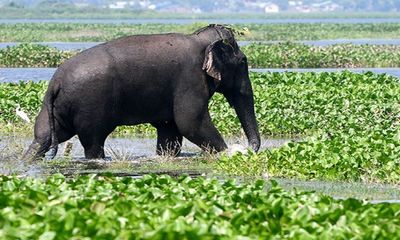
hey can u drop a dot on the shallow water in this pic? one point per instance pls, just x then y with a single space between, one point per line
136 156
216 20
373 192
137 147
391 71
37 74
131 151
327 42
59 45
25 74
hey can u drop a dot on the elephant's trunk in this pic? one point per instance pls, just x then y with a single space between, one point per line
243 103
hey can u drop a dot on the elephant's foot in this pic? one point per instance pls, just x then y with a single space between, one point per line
169 139
36 151
94 152
172 148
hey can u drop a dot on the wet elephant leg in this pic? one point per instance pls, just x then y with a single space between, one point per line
42 137
169 139
92 138
93 144
194 123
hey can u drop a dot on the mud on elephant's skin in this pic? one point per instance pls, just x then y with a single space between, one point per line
162 79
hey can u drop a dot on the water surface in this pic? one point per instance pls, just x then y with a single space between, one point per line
216 20
136 156
124 156
38 74
326 42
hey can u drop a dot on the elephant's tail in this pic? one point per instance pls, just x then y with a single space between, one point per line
51 94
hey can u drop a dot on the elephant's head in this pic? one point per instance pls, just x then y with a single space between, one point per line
226 64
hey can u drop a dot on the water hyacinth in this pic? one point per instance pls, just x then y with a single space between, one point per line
32 55
162 207
297 55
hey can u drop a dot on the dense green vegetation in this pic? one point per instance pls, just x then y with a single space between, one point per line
281 55
348 129
28 95
352 121
32 55
161 207
296 55
73 32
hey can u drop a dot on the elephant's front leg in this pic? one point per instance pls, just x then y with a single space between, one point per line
169 140
194 122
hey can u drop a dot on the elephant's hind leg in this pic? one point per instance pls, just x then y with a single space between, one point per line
93 145
42 137
93 138
169 140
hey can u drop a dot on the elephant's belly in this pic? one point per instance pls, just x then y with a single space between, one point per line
133 114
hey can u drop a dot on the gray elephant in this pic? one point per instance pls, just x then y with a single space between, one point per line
162 79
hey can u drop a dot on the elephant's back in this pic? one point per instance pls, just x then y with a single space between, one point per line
155 48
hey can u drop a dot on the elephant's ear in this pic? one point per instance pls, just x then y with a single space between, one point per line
217 55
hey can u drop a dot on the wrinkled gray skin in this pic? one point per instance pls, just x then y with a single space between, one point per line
163 79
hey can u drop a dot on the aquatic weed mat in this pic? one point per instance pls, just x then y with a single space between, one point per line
352 120
162 207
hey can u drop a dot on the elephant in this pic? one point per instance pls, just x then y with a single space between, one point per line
162 79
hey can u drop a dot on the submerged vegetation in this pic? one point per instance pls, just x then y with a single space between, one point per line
279 55
161 207
351 120
95 32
